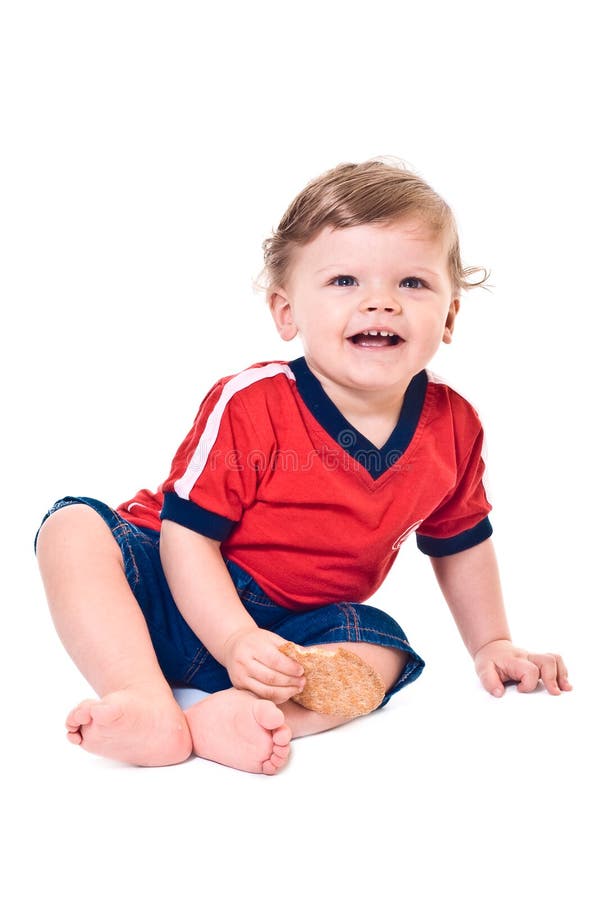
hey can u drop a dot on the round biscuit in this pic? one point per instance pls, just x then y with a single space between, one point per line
338 682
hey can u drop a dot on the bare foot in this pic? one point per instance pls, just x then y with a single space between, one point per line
237 729
136 727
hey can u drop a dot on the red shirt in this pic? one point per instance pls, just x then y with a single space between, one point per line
305 503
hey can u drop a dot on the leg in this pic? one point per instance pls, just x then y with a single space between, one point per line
103 629
388 661
99 622
222 730
356 627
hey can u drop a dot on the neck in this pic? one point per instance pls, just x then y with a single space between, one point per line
366 404
374 413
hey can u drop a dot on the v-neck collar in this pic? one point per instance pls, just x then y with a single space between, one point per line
374 459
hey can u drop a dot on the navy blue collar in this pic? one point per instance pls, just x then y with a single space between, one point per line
375 460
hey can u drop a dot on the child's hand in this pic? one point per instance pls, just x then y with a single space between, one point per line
254 663
500 661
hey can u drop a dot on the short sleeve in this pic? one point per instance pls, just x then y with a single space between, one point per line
215 472
461 519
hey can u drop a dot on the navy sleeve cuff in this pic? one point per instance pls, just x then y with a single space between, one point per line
188 514
463 541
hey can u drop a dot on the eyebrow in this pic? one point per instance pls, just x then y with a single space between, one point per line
343 267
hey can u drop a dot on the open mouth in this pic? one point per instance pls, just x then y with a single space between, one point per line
376 339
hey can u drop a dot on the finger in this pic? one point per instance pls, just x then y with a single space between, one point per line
491 680
563 676
245 682
266 675
270 692
553 672
277 660
548 673
526 673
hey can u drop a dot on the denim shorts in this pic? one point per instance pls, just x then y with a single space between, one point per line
183 658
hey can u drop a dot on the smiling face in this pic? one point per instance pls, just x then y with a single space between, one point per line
371 303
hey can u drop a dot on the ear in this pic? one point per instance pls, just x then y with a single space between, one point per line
281 311
452 314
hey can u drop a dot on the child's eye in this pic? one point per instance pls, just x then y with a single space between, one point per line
411 282
343 280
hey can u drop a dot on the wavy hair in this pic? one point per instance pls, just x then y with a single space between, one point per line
379 191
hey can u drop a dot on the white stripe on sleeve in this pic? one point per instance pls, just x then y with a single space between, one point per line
184 485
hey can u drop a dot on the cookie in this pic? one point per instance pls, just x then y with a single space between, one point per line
338 682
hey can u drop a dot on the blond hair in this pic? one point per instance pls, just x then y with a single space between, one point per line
377 191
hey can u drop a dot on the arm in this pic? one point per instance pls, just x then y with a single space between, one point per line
470 584
207 599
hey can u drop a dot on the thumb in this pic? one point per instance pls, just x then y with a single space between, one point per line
490 679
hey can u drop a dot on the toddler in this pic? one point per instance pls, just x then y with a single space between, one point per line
288 500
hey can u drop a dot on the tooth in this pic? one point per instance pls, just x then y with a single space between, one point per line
374 332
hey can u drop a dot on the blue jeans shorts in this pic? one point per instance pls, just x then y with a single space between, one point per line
182 657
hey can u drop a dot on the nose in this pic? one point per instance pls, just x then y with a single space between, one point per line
381 301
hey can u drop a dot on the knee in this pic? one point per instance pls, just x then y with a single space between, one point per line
58 526
388 661
70 529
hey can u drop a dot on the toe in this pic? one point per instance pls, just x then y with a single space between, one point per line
74 737
268 715
274 763
281 752
282 736
81 715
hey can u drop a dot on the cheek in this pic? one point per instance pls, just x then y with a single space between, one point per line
431 323
323 321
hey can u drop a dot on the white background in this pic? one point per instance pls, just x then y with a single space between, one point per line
147 150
